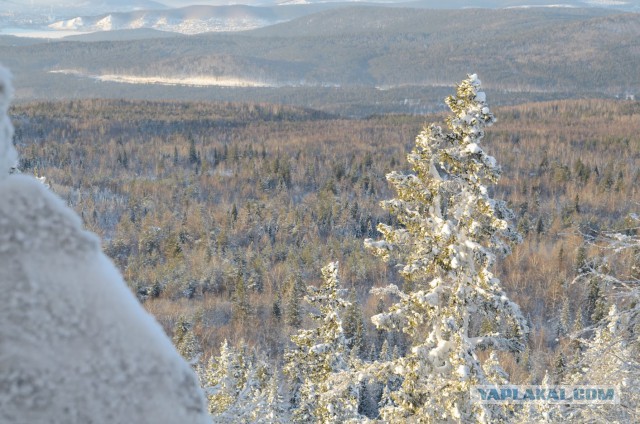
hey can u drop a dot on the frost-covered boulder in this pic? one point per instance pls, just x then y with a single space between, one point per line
75 345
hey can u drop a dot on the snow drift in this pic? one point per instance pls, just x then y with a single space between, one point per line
75 345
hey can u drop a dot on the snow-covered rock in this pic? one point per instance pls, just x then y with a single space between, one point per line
75 345
8 155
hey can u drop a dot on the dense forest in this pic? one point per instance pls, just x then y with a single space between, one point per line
222 216
194 200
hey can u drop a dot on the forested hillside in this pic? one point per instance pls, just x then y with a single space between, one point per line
217 214
355 61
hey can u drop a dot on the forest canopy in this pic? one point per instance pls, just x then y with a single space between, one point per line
221 216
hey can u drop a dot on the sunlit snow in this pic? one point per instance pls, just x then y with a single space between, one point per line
195 81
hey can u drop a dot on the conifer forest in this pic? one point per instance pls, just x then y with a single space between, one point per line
313 268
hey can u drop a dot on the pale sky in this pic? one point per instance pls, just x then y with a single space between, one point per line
126 4
173 3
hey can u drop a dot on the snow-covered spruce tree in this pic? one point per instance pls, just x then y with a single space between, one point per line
241 388
223 378
185 341
451 306
612 354
270 404
542 412
323 383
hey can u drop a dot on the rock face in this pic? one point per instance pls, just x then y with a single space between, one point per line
75 344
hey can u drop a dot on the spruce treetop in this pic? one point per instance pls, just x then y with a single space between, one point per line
450 224
449 235
318 364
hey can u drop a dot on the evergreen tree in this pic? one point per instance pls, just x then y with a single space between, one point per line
258 400
560 367
581 260
595 307
565 317
223 378
193 153
354 327
612 356
273 409
185 341
242 389
494 371
610 359
241 307
325 390
451 232
297 290
381 334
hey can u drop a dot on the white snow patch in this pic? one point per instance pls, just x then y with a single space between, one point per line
319 349
105 24
138 23
439 352
463 371
532 6
36 33
378 244
188 25
290 2
70 24
607 2
202 81
193 81
472 148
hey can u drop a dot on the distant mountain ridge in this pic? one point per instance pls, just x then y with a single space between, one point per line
361 57
194 19
239 17
188 20
58 7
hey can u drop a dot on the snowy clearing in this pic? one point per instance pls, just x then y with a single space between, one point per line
40 33
195 81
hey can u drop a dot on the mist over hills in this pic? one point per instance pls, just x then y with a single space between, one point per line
189 17
68 8
123 35
355 60
192 19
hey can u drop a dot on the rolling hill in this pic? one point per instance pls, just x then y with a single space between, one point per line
189 20
390 57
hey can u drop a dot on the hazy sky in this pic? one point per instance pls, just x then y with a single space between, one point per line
126 4
175 3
